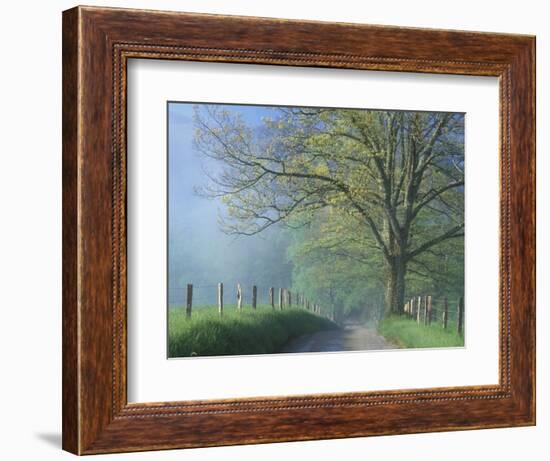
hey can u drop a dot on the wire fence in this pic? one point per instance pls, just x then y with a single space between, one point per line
243 296
424 309
206 294
427 310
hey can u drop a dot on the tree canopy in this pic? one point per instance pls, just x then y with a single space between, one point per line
374 198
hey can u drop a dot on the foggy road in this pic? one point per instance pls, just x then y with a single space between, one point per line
348 338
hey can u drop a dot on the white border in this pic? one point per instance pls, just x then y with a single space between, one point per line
151 377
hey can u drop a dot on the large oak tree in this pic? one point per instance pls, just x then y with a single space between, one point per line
392 182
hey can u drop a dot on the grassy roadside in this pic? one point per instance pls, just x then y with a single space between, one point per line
263 331
407 333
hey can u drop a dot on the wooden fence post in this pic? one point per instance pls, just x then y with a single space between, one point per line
445 312
280 298
425 310
239 297
430 311
189 300
460 316
272 297
220 298
289 298
418 309
254 296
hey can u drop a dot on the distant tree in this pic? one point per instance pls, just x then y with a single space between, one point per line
388 183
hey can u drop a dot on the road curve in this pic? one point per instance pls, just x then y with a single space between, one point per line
347 338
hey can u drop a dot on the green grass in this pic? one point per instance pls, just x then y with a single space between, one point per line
262 331
407 333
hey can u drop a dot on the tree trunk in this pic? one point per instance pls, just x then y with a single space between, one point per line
395 287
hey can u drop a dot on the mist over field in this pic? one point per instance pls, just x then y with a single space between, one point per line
199 252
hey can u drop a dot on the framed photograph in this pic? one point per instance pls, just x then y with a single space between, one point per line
282 230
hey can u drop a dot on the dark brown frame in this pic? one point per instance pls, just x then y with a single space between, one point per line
97 43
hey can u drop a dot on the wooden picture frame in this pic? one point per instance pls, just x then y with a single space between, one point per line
97 43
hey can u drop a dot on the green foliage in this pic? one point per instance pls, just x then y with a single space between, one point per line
407 333
438 272
263 331
336 276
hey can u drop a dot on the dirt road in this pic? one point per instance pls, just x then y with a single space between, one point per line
347 338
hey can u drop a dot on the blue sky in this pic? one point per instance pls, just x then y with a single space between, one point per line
184 166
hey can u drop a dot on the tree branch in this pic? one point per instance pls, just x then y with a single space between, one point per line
451 233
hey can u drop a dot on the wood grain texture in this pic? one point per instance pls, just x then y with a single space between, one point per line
97 43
